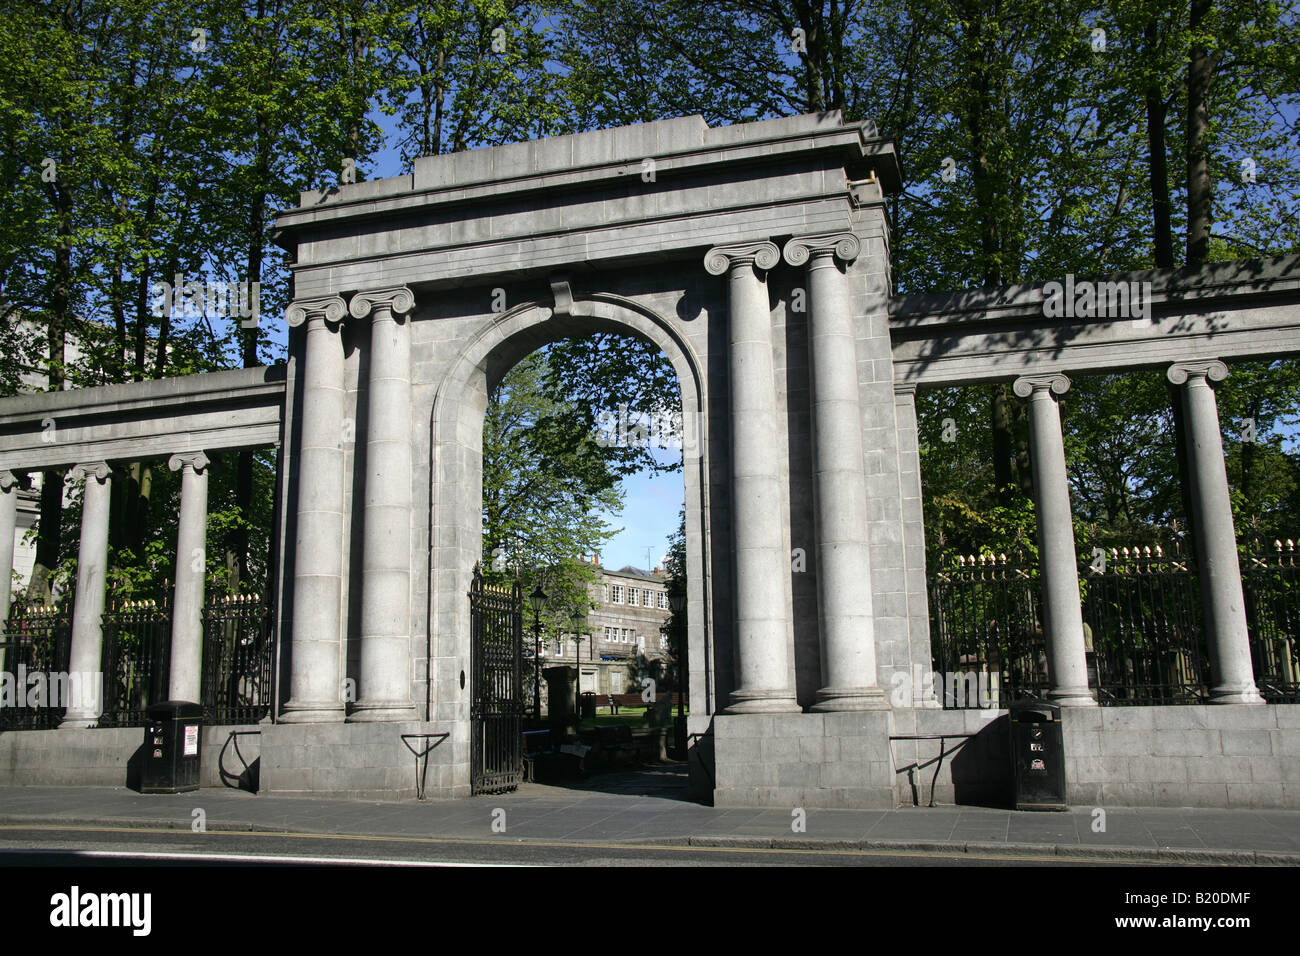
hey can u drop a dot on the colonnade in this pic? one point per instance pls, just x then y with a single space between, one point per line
85 659
1220 575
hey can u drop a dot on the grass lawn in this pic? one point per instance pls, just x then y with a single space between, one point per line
631 717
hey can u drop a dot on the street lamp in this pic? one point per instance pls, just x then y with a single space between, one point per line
579 622
677 602
538 600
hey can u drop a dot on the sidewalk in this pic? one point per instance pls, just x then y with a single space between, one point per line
651 808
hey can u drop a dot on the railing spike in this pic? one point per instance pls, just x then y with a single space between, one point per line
1160 552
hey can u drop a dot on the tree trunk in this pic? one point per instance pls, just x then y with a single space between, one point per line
1199 191
1161 208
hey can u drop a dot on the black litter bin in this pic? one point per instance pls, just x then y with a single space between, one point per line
587 708
171 747
1038 755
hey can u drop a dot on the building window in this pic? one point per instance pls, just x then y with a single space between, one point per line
627 636
631 597
663 600
606 593
616 594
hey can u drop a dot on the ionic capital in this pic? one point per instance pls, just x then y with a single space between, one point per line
331 309
842 245
1208 370
9 480
99 470
195 460
1049 382
398 301
763 254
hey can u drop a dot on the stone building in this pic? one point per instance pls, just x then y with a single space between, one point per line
623 629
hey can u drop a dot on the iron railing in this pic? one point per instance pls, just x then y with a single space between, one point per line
1271 581
236 659
986 630
1144 627
137 660
34 648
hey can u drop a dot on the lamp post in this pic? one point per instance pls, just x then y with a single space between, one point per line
579 622
677 602
538 600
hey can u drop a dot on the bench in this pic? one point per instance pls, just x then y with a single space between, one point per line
612 746
636 700
538 751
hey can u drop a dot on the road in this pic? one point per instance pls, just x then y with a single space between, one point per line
123 846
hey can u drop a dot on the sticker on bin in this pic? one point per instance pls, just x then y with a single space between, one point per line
191 740
1038 765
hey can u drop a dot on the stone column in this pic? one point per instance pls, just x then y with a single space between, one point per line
315 691
85 660
9 483
761 562
1058 562
385 686
848 651
1224 606
191 559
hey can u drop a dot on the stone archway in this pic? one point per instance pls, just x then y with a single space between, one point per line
457 419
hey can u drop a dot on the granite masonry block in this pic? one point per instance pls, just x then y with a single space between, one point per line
1120 719
1256 796
1186 743
1247 743
1181 718
1157 769
1239 716
1190 794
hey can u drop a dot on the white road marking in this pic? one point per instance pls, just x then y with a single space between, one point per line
263 858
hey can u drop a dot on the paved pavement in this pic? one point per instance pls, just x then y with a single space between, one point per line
651 808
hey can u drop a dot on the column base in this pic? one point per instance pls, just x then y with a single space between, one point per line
1228 694
311 713
1072 697
835 699
763 702
376 711
74 721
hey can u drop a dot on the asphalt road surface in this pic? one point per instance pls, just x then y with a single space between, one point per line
122 846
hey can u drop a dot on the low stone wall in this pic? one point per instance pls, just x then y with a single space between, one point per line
803 760
365 761
1230 756
110 757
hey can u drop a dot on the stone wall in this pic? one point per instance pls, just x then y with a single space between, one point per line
1232 756
109 757
803 760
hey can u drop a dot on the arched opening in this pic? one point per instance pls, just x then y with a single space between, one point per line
460 409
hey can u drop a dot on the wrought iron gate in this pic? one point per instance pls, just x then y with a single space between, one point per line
496 708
